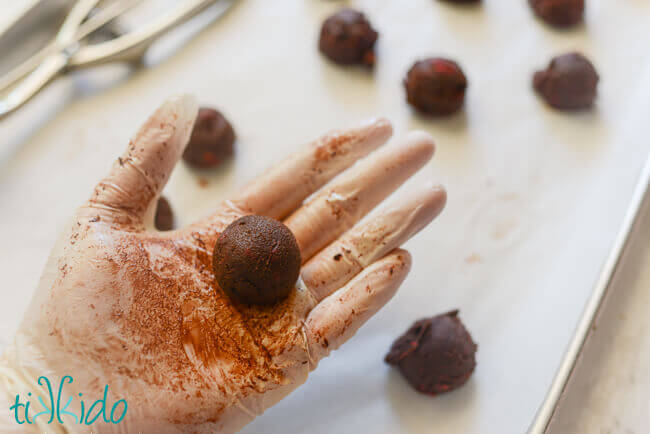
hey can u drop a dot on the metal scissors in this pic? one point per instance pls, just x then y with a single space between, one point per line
68 51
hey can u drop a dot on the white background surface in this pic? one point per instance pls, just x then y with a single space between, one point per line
535 196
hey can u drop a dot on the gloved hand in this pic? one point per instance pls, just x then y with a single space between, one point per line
124 306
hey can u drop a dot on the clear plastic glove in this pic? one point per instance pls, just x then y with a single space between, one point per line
124 306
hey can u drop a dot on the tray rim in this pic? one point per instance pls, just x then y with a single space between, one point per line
547 410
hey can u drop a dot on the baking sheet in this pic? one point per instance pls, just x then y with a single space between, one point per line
610 388
535 196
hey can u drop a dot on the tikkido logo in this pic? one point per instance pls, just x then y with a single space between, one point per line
56 411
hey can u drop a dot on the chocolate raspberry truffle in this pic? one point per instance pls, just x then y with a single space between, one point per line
435 355
164 219
436 86
559 13
348 38
569 82
256 260
212 140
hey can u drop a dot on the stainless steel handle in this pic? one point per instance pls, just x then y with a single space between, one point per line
39 78
95 22
128 47
52 66
132 46
77 15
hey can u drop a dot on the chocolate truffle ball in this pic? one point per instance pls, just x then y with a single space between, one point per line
164 219
436 86
256 260
559 13
348 38
435 355
569 82
211 141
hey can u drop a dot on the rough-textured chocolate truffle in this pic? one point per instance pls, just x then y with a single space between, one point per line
212 140
435 355
256 260
435 86
569 83
559 13
164 219
348 38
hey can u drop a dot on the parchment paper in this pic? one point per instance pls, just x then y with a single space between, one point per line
535 196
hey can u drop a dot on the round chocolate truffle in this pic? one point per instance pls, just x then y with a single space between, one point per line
348 38
435 355
568 83
436 86
559 13
164 219
256 260
211 141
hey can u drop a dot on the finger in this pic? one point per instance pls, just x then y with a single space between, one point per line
339 206
369 241
338 317
283 188
138 176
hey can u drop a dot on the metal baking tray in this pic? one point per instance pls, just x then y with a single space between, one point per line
588 319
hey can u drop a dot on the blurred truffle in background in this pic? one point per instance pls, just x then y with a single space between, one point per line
436 86
347 38
212 140
568 83
559 13
164 217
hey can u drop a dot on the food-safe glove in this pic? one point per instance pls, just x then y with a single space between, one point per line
124 306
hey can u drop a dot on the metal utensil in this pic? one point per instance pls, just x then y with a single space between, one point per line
73 54
53 64
95 22
32 27
547 410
